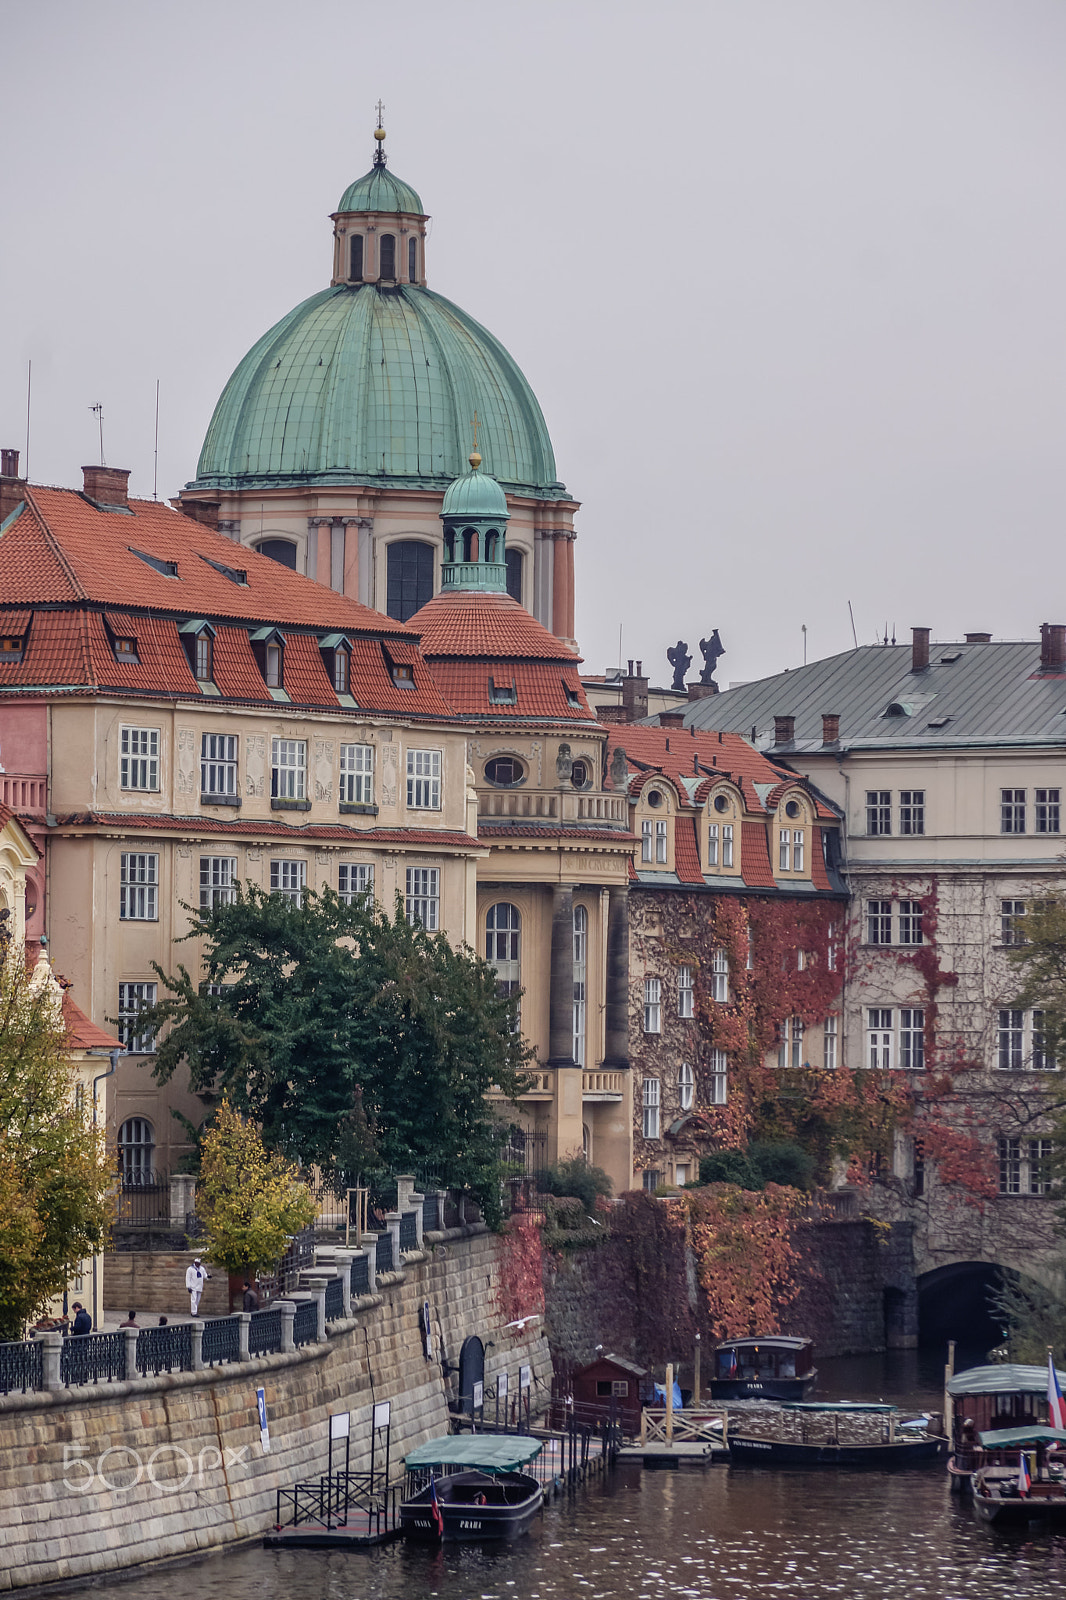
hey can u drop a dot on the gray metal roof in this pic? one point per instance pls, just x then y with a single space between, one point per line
969 694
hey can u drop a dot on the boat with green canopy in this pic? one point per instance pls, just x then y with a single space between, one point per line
1023 1476
470 1487
836 1433
999 1397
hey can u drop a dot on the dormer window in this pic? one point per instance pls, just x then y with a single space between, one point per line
198 641
502 694
403 676
11 647
272 669
340 671
125 649
167 569
237 575
355 258
573 698
388 256
268 647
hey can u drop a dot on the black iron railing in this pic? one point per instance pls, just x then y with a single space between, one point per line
21 1366
430 1214
360 1275
409 1230
334 1300
143 1200
166 1349
383 1252
221 1341
305 1323
264 1332
341 1499
92 1358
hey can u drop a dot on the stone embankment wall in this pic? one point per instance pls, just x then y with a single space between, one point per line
154 1281
93 1481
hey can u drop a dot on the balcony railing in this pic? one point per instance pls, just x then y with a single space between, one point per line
608 1086
24 795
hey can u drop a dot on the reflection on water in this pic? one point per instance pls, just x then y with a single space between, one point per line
710 1534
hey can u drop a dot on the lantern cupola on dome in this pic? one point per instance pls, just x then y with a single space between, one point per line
474 514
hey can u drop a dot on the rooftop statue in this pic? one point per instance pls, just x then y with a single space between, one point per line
680 660
711 650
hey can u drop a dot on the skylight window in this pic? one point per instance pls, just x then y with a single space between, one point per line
502 694
955 656
234 574
573 698
168 569
11 647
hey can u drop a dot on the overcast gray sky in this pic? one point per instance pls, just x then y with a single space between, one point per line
787 276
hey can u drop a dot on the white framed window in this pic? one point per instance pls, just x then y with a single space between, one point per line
647 837
1010 911
136 1152
718 1080
727 844
288 769
218 881
910 922
650 1127
880 1039
422 901
712 845
139 887
651 1179
1025 1166
831 1043
879 810
289 880
911 1039
912 811
133 998
790 1047
1010 1166
785 850
139 758
720 976
218 765
1041 1060
686 992
423 780
503 937
680 1174
797 849
878 922
832 947
581 960
660 843
1047 810
355 881
652 1005
357 774
1010 1047
686 1086
1012 811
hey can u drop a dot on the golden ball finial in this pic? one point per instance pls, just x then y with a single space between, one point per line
379 134
474 459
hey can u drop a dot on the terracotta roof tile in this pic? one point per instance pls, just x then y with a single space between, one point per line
549 830
540 690
260 828
485 627
82 1032
675 752
687 851
819 876
755 857
306 682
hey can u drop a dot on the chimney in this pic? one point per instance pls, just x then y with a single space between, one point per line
206 513
671 719
919 649
1052 647
830 728
12 487
634 695
700 691
784 730
107 486
978 638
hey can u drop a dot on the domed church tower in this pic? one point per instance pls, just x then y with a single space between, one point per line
335 439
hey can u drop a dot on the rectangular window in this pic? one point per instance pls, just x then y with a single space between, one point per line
830 1041
878 922
204 657
1041 1060
647 832
357 774
1047 811
139 888
1040 1151
686 1086
832 947
660 843
133 998
651 1180
720 976
912 811
422 901
355 880
423 780
879 1056
718 1084
797 849
686 992
1010 911
712 845
340 671
1010 1048
790 1047
139 758
651 1108
727 844
272 664
879 811
910 922
218 881
1012 811
785 849
1010 1166
218 765
912 1040
652 1005
289 879
288 774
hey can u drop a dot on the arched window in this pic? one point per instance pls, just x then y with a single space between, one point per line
388 256
492 545
449 545
503 933
355 257
469 544
136 1149
409 578
412 260
283 551
581 955
514 574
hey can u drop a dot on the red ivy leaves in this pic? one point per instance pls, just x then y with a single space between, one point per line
745 1256
520 1284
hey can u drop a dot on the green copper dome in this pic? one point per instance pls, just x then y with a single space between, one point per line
379 190
377 385
475 495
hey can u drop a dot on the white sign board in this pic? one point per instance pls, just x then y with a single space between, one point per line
479 1396
340 1423
525 1377
501 1385
382 1412
264 1430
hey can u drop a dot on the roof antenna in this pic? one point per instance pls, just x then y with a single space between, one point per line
803 625
854 635
155 467
379 135
98 408
29 391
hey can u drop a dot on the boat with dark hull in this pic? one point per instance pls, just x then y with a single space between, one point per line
768 1367
468 1488
841 1433
1002 1396
1032 1488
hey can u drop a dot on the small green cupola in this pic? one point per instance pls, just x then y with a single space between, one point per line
475 516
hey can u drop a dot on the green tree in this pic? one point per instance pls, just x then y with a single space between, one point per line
55 1180
250 1200
576 1178
340 1029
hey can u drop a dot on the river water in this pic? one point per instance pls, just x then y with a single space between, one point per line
713 1533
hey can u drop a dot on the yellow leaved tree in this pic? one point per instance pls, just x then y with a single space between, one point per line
250 1199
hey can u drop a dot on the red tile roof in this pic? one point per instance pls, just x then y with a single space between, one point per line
540 690
819 876
533 830
259 828
474 626
755 857
687 851
82 1032
674 752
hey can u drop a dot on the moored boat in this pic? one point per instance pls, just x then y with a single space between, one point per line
987 1399
1032 1487
468 1488
768 1367
840 1433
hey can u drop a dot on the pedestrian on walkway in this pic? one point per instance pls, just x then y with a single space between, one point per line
82 1323
195 1278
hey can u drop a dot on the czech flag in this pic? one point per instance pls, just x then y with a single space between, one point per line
1024 1480
1055 1403
731 1363
434 1508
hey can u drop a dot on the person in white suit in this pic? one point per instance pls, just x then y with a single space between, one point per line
195 1278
